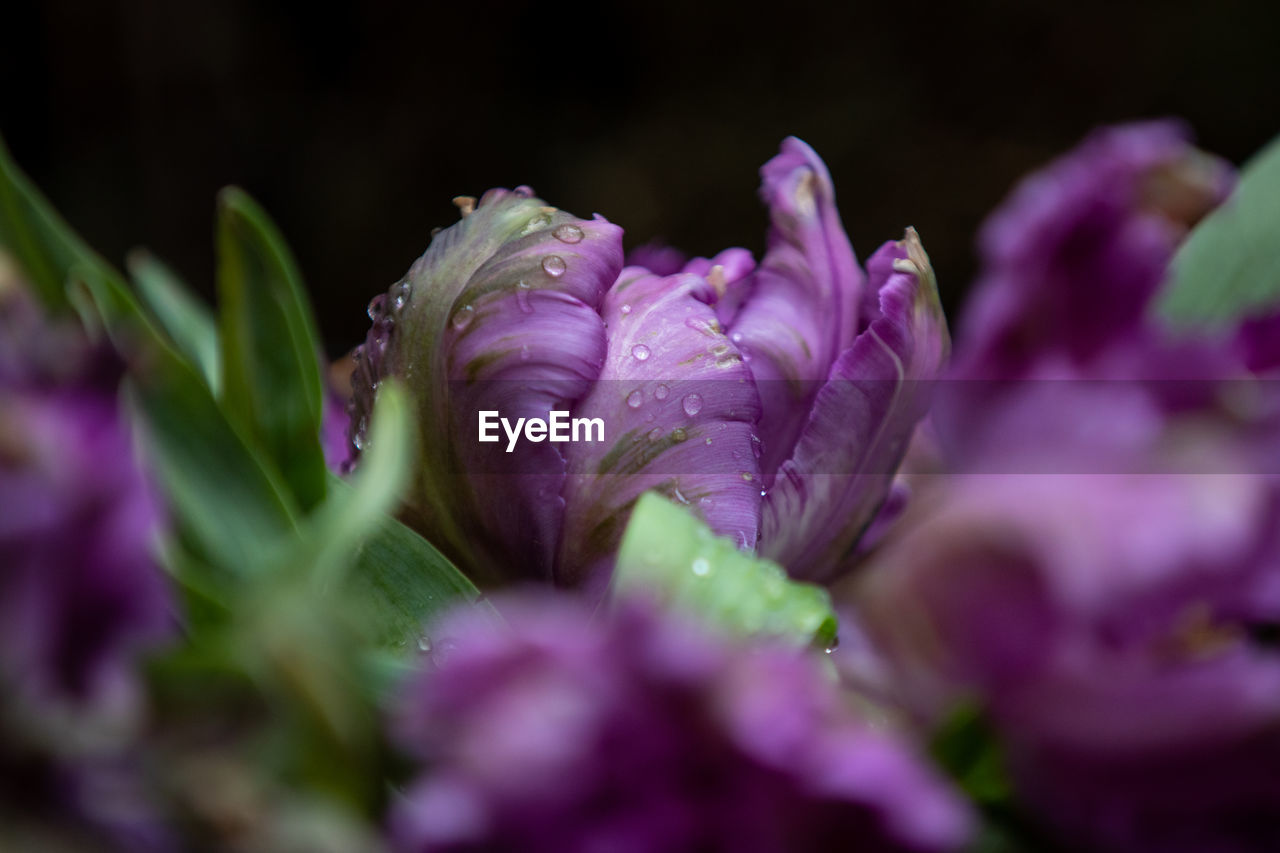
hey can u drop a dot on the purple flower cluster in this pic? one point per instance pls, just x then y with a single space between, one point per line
1102 574
557 731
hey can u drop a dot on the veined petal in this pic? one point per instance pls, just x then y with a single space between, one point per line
802 308
500 314
679 408
828 492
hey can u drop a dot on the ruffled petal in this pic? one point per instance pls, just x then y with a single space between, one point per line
828 492
802 308
679 410
500 314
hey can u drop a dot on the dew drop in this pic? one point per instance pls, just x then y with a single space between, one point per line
554 266
708 440
634 399
706 502
522 297
463 318
757 446
655 434
542 220
400 295
692 404
661 392
679 434
701 567
626 308
424 643
747 476
640 352
736 337
376 307
568 233
835 644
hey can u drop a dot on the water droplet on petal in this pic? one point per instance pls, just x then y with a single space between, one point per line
376 304
757 446
661 392
701 567
542 220
640 352
692 404
400 295
655 434
706 501
679 434
424 643
747 476
568 233
522 297
708 440
835 644
634 399
554 266
463 317
626 308
736 337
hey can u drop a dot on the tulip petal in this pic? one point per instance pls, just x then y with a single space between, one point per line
501 314
828 492
679 408
802 308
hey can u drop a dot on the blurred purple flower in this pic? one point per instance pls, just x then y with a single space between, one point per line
1073 257
80 592
774 400
562 732
1119 630
1105 579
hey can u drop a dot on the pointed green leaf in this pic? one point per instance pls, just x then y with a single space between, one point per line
402 581
1229 266
668 553
271 382
225 500
43 245
187 321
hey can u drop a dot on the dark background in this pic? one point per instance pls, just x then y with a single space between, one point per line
354 124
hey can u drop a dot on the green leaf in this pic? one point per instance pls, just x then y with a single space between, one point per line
226 501
965 746
669 553
188 322
1229 266
43 245
271 382
332 533
401 582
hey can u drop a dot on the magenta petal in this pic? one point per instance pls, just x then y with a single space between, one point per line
500 314
679 408
802 309
828 492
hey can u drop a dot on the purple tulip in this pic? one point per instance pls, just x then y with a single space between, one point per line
563 731
1105 579
81 595
1116 630
775 399
1073 257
